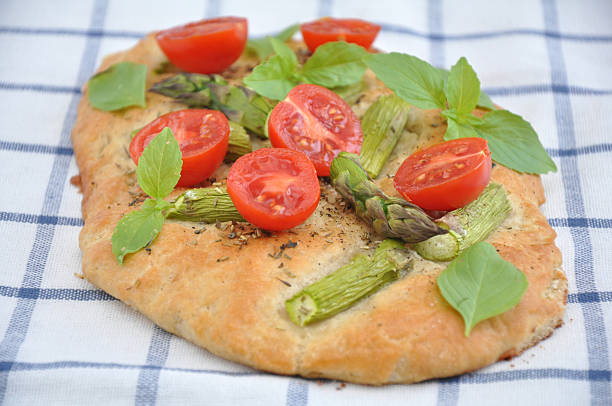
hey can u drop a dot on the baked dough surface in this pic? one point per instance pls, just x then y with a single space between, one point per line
227 294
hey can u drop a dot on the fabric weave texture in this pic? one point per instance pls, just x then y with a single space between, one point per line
62 341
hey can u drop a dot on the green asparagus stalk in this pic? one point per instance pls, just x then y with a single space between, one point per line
351 93
239 142
206 205
389 216
341 289
382 126
467 225
238 103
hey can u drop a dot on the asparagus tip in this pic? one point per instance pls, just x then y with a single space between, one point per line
443 247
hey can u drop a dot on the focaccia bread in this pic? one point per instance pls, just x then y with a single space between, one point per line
224 286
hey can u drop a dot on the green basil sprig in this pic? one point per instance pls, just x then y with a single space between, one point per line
480 284
262 46
121 85
512 140
159 170
484 101
333 64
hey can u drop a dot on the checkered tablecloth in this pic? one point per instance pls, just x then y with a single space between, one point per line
62 341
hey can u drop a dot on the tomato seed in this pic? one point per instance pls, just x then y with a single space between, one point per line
460 149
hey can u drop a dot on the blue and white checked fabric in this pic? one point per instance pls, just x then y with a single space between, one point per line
64 341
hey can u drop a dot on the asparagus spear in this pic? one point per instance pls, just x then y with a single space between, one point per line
338 291
239 142
390 217
467 225
204 204
382 126
238 103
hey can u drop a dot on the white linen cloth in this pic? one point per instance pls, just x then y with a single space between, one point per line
62 341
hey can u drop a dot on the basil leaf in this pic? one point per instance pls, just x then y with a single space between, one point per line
262 46
288 32
137 229
410 78
351 93
277 76
286 53
162 205
513 142
121 85
484 101
159 166
462 87
458 129
335 64
480 284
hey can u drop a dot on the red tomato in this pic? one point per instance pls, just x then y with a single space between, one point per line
445 176
339 29
274 188
317 122
207 46
203 136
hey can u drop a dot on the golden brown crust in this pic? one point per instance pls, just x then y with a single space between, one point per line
234 306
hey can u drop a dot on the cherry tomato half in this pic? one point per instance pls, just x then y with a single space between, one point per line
274 188
203 136
329 29
207 46
445 176
317 122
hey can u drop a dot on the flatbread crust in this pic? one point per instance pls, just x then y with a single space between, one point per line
227 294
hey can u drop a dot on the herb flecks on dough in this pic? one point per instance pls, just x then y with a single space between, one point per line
121 85
467 225
512 140
480 284
344 287
389 216
239 104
